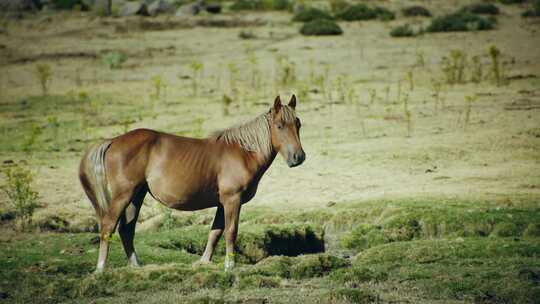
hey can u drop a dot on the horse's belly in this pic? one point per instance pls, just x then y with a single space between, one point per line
183 197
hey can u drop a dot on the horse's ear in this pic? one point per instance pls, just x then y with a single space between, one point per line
277 105
292 102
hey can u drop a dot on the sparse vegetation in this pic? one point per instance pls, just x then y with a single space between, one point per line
481 8
460 21
114 59
415 11
44 75
321 27
363 12
22 197
494 54
257 5
312 14
402 31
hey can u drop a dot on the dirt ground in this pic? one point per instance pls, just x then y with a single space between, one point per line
360 143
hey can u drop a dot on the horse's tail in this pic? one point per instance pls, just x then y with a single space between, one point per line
93 177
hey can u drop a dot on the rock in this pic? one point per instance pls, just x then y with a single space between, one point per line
161 7
133 8
190 9
19 5
213 8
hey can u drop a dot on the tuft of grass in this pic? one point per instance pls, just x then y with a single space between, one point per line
321 27
403 31
460 21
312 14
260 5
415 11
258 281
316 265
351 295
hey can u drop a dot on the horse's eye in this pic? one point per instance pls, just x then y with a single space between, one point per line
280 126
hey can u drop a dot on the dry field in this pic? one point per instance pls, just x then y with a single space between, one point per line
386 135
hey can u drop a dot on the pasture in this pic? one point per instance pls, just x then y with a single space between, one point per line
421 182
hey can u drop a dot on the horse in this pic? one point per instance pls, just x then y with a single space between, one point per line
222 170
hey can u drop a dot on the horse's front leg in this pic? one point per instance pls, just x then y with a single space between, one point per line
231 206
214 235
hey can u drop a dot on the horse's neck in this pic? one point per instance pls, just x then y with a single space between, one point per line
263 162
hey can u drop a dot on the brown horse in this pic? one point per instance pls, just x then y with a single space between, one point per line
183 173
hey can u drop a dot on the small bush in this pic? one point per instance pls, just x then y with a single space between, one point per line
258 5
402 31
481 8
532 230
360 12
312 14
415 11
321 27
460 21
23 198
115 59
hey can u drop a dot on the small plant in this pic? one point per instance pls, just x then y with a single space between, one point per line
477 70
420 61
226 104
437 88
44 74
157 84
415 11
494 54
114 59
453 66
287 70
31 140
469 100
247 34
372 96
481 8
403 31
233 75
198 127
196 70
410 79
407 114
460 21
312 14
360 12
321 27
23 199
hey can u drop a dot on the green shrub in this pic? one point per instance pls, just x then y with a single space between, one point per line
481 8
114 59
460 21
532 230
511 1
321 27
312 14
402 31
22 198
416 10
534 12
257 5
363 12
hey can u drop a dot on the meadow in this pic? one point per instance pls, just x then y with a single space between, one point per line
422 177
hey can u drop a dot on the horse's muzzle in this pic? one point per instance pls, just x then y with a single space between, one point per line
297 159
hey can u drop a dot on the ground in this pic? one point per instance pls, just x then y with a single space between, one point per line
401 164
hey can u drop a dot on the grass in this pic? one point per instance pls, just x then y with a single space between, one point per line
360 12
403 31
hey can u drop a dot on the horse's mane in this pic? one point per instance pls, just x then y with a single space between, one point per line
254 135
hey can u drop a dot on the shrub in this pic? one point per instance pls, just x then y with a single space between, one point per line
23 198
321 27
312 14
402 31
242 5
481 8
114 59
67 4
363 12
460 21
534 12
511 1
416 10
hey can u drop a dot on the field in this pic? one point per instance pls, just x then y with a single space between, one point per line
422 177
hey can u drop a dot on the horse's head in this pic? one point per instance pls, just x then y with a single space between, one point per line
285 129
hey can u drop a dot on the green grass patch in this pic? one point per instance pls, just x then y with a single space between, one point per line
360 12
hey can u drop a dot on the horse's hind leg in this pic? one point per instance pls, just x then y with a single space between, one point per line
126 226
214 235
108 225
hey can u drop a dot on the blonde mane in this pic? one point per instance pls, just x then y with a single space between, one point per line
254 135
